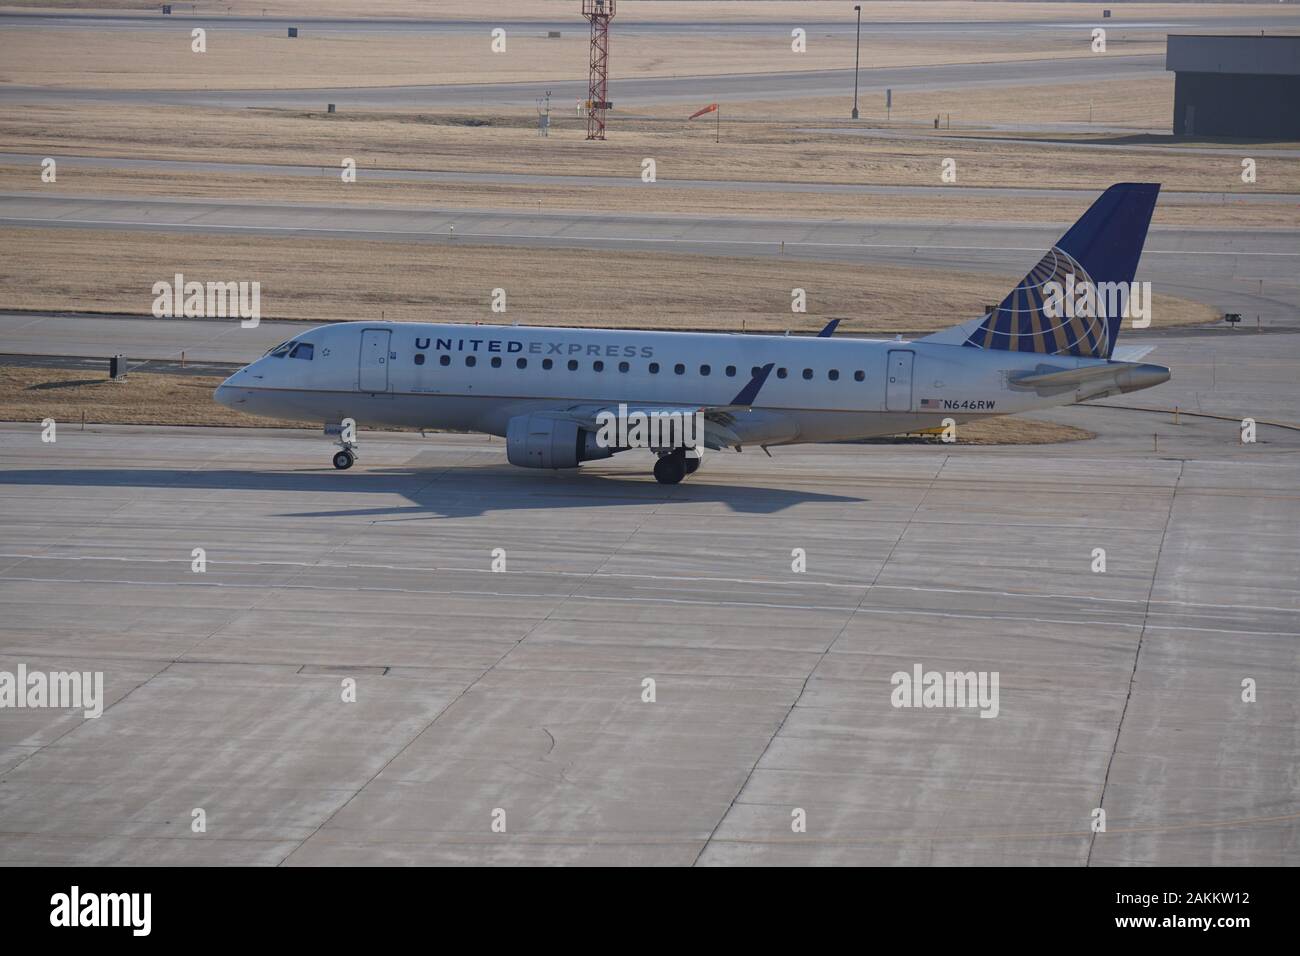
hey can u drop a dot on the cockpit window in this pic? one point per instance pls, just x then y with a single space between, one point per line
303 350
281 350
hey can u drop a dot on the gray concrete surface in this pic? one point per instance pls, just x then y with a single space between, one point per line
1250 271
1236 374
204 340
72 164
101 365
1129 140
522 690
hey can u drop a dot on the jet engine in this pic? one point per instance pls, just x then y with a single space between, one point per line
542 441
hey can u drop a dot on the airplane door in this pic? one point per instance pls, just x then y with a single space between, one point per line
898 381
374 360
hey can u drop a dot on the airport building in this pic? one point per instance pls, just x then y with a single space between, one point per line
1240 86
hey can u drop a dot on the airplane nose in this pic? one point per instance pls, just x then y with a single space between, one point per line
229 393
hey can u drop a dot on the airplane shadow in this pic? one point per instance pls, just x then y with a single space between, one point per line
452 491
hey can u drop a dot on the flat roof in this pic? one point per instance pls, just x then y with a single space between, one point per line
1205 53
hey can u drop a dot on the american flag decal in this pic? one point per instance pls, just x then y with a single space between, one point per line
931 403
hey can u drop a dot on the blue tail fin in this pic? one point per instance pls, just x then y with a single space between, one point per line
1103 247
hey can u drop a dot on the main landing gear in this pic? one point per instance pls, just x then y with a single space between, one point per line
675 465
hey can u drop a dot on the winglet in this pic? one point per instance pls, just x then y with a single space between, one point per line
750 391
827 332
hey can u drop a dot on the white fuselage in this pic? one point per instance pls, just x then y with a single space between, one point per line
478 377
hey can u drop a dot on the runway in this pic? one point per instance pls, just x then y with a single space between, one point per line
100 336
522 690
1250 271
1128 139
1015 193
635 92
99 364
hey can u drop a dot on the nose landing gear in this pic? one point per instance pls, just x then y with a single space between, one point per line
345 431
347 457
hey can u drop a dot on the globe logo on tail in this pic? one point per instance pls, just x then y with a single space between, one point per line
1033 319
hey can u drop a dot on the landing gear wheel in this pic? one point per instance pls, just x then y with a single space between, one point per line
692 465
670 469
344 459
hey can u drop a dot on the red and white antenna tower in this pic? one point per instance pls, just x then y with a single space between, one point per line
599 12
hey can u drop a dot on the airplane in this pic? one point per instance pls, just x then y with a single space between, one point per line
545 390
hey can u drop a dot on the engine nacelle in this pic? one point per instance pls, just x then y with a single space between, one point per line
541 441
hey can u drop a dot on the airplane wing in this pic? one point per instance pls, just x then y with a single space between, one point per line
731 425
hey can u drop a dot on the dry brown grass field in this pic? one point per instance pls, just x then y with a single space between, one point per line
755 151
671 10
1139 104
243 59
69 397
74 397
324 279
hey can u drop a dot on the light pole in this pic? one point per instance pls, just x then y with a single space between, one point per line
857 49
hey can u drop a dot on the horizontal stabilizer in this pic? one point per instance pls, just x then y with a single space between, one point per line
1132 353
1112 377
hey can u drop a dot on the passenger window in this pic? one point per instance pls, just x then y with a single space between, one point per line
444 359
303 350
754 371
731 371
704 370
654 368
679 369
598 366
496 361
521 363
573 365
833 375
470 361
547 363
807 374
623 366
419 358
780 373
859 376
